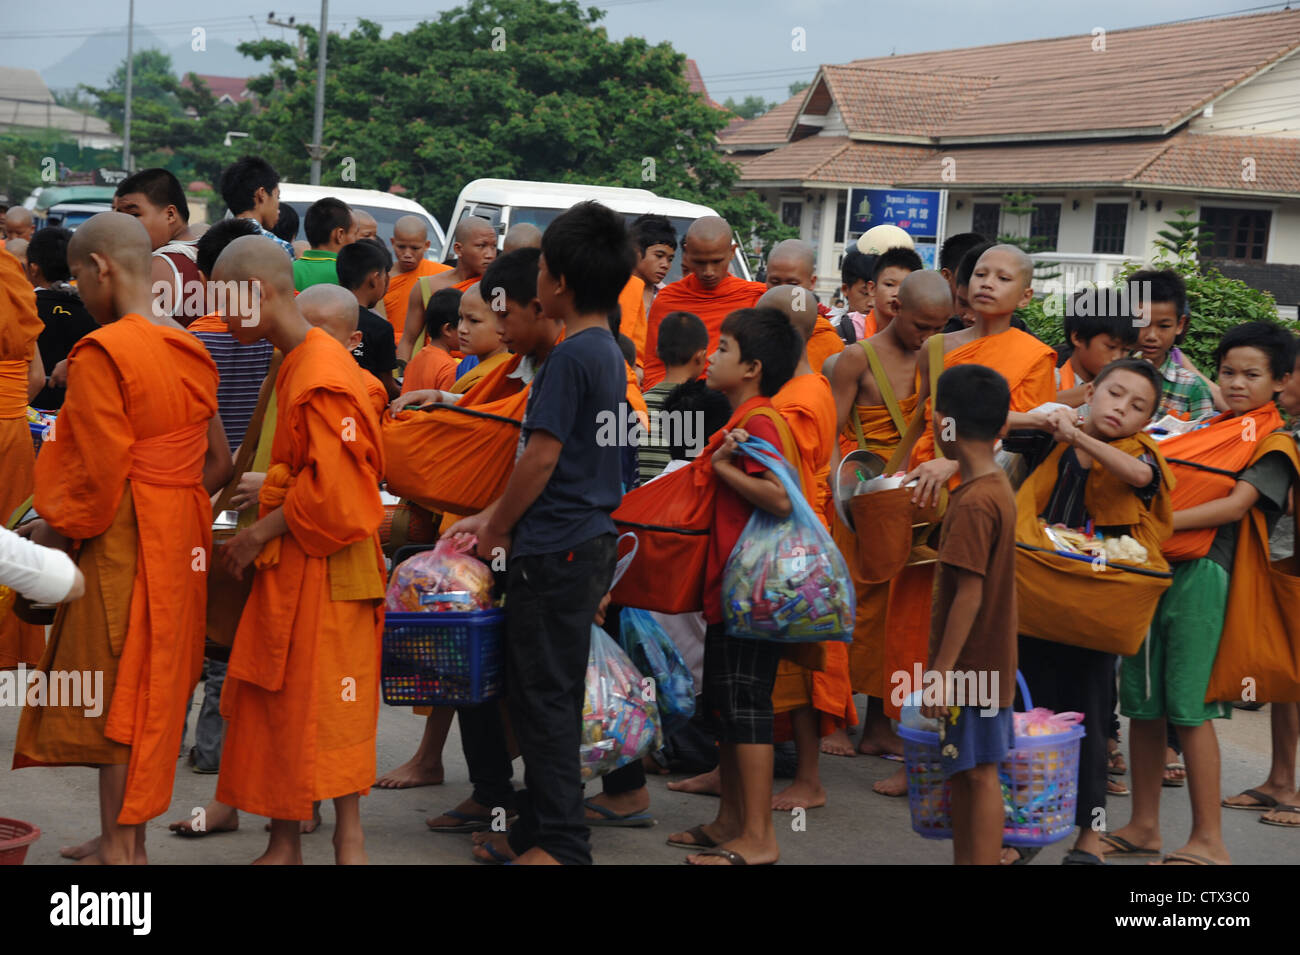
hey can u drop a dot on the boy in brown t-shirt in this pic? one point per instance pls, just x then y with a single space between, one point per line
973 621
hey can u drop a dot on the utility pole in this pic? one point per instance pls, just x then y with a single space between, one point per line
302 40
130 57
318 122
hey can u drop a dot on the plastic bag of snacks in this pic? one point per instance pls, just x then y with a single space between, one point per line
1043 722
449 577
657 656
618 723
786 580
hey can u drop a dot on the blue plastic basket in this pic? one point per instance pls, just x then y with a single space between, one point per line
436 659
1040 785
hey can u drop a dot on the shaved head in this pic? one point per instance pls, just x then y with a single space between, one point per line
525 235
367 227
19 223
707 249
411 228
118 237
470 226
1015 257
249 257
792 262
925 291
797 304
708 229
332 309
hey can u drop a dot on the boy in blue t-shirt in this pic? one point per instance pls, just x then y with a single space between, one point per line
554 520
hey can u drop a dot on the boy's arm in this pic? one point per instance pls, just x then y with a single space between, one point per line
763 490
1132 471
1216 513
1199 410
414 323
845 378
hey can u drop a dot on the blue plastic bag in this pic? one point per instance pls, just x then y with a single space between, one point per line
620 721
786 580
654 654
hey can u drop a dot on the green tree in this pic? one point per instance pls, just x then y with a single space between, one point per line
748 108
798 86
1183 230
516 89
153 89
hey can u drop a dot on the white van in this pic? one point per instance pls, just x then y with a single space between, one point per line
384 206
508 202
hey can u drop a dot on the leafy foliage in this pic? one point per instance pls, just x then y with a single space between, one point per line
749 107
1184 230
1021 205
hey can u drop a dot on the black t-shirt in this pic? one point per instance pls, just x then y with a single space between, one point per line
577 397
377 352
66 322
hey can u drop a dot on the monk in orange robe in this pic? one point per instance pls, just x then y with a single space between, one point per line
868 422
302 690
632 320
709 291
818 701
475 246
434 367
22 376
410 241
127 477
793 262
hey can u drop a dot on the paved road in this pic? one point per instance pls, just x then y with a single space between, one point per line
856 826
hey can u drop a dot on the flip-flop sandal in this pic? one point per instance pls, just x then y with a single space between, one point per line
1079 857
1111 760
735 858
1119 846
702 840
1282 825
199 833
498 857
1174 783
468 823
1262 801
1186 858
1024 854
1116 788
633 820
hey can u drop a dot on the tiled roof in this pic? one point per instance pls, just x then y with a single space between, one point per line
1036 164
1148 78
832 159
695 81
236 87
887 102
767 130
1231 163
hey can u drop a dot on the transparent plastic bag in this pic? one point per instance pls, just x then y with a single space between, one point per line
620 720
656 656
449 577
786 580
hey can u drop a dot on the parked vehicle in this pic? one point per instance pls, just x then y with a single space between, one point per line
384 206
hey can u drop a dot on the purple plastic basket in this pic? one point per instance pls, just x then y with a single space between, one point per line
1040 785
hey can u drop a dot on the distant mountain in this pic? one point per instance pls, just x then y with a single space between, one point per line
97 57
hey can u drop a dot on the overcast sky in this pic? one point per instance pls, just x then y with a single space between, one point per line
742 46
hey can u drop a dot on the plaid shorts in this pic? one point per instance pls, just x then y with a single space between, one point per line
738 679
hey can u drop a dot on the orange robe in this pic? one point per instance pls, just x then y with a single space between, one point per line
124 477
462 384
399 291
825 341
431 368
712 306
808 406
19 327
632 323
302 689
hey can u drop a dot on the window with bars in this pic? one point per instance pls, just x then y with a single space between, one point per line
1045 225
841 216
1108 228
1240 234
985 218
792 213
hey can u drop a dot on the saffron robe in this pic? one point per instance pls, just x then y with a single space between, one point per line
711 305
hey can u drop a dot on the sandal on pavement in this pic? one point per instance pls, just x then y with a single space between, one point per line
466 823
1262 801
1186 858
1116 787
702 840
1024 854
734 858
1295 813
1079 857
1174 783
1119 846
633 820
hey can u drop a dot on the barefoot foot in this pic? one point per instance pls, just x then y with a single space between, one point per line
893 785
85 850
705 784
410 774
838 743
800 795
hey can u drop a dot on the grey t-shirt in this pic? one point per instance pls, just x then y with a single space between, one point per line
1271 475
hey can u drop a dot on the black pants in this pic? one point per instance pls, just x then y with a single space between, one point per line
1063 678
550 605
483 741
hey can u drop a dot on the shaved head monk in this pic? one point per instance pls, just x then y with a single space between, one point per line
18 249
335 311
820 702
22 377
709 291
474 243
302 689
19 223
367 227
793 262
525 235
410 241
129 476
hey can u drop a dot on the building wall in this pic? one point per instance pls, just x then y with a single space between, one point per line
1266 106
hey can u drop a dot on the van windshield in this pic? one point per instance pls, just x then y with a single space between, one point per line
543 217
386 218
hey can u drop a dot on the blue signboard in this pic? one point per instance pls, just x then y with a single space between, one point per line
916 212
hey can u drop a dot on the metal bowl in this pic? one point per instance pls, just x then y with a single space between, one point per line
855 467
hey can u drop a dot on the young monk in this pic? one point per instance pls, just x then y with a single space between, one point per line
302 691
710 291
155 197
22 376
367 227
793 262
19 223
474 243
866 421
1168 679
410 241
478 336
18 249
128 475
329 226
655 242
434 367
525 235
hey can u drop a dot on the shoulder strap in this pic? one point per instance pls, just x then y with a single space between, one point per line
248 448
886 389
934 348
425 294
788 446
